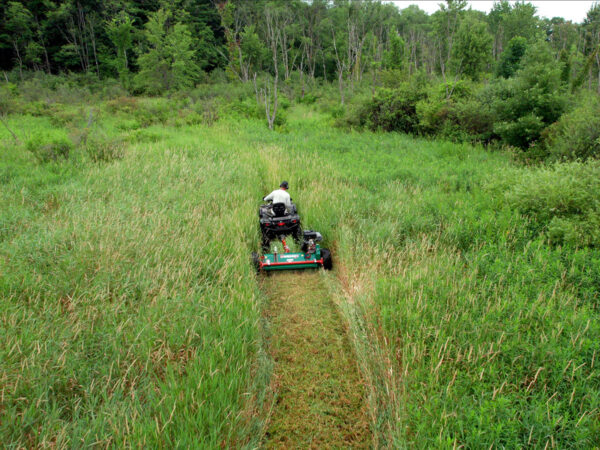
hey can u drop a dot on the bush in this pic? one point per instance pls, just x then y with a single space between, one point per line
103 149
529 102
461 117
521 132
308 99
8 99
60 116
576 135
562 202
390 110
48 148
122 104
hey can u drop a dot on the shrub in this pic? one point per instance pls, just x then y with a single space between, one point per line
576 135
122 104
390 110
103 149
562 202
60 116
461 117
46 147
521 132
145 137
8 99
529 102
308 99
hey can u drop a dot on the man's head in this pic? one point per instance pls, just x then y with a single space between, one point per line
284 185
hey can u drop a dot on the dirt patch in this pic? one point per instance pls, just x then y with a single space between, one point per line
319 391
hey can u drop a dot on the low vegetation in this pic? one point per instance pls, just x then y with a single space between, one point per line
469 282
450 161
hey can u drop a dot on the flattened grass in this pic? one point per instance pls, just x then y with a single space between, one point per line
319 391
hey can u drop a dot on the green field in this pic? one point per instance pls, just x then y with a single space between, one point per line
131 315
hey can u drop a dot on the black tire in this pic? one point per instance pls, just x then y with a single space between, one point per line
255 261
327 261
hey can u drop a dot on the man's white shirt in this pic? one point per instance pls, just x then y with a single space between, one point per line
279 196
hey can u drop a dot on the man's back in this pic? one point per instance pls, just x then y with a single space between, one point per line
280 196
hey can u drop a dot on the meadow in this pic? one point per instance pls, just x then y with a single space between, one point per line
131 314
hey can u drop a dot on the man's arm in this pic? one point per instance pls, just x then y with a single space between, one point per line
268 197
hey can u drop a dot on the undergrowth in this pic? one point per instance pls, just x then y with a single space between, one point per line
131 315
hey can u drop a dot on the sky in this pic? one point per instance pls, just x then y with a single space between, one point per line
574 10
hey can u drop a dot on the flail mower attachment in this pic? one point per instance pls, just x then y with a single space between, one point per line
312 256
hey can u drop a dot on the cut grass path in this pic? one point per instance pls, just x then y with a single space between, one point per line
319 391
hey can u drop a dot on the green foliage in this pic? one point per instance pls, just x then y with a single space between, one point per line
462 117
527 103
390 110
575 135
49 147
562 201
102 148
522 131
510 59
168 64
19 32
471 50
120 32
395 57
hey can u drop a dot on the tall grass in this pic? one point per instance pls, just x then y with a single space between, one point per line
131 314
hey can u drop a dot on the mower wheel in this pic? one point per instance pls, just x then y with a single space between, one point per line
256 261
327 261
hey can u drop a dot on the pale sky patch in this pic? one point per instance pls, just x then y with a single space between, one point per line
574 10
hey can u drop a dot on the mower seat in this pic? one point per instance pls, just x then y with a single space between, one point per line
279 209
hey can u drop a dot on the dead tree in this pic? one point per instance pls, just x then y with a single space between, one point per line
269 94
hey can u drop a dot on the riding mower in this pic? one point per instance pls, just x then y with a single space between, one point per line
276 223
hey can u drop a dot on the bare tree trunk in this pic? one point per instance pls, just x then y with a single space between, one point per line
598 64
255 88
340 68
19 59
2 117
93 39
273 38
243 68
341 85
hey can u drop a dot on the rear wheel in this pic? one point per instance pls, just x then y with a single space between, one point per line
266 243
255 261
327 261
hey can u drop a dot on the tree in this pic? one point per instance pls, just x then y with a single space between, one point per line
395 56
530 101
446 22
472 48
168 63
274 21
511 57
591 27
119 31
19 32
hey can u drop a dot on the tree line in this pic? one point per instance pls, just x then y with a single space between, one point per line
159 45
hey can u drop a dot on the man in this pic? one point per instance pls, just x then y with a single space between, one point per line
280 195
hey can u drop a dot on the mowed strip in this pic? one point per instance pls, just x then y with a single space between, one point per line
319 391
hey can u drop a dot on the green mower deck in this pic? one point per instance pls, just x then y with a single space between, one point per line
292 261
